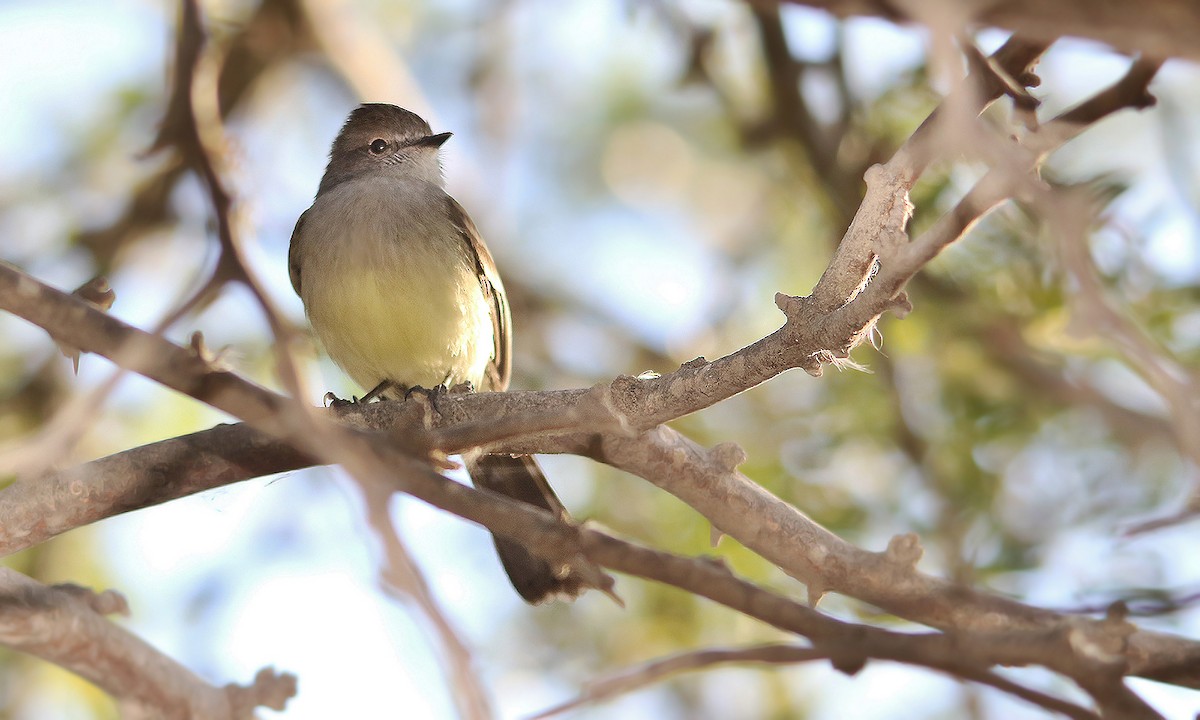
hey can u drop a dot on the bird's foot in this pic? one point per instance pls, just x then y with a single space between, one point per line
378 391
430 394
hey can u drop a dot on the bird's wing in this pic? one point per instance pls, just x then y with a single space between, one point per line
500 369
294 254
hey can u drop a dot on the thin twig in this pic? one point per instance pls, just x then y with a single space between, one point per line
633 679
402 577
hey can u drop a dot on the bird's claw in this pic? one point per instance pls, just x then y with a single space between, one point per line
430 394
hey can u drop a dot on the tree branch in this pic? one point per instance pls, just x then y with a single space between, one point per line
66 625
1159 28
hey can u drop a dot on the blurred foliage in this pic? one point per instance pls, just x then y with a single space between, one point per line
652 193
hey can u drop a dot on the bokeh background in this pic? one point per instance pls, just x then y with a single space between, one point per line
646 190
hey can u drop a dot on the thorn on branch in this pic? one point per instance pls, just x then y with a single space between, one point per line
596 578
900 306
812 366
1103 644
1118 612
905 550
791 306
727 456
1116 621
847 661
212 360
270 689
100 295
1131 91
717 563
107 602
1138 80
997 76
800 313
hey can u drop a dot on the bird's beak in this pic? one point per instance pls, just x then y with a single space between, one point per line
433 140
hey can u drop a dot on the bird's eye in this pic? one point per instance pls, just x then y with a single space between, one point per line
378 146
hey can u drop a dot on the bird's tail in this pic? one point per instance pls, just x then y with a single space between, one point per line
520 478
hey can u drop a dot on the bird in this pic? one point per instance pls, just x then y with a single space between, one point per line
401 290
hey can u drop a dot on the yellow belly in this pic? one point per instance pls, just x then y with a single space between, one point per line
388 302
